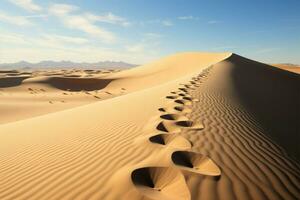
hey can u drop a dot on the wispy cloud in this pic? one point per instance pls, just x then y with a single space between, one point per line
12 38
149 44
61 39
162 22
81 21
108 18
28 5
15 20
167 23
44 40
64 47
62 9
189 17
36 16
153 35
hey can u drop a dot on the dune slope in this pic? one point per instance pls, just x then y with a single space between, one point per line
247 108
184 130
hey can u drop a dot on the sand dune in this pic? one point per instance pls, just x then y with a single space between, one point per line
41 92
189 126
289 67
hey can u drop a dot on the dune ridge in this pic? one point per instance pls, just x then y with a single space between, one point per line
208 142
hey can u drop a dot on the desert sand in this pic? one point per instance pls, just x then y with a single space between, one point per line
289 67
189 126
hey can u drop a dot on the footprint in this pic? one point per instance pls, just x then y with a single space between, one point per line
187 98
168 127
173 117
183 109
172 97
184 95
162 110
183 89
195 162
189 86
183 102
171 140
190 99
160 183
176 109
190 125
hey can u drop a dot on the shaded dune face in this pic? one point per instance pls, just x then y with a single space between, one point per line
11 81
78 84
159 183
272 96
253 166
8 71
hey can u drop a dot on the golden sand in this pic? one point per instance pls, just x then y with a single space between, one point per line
190 126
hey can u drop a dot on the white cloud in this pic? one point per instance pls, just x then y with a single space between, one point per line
148 45
153 35
62 39
36 16
166 23
12 38
62 9
28 5
189 17
81 22
108 18
45 40
161 22
15 47
15 20
136 48
83 54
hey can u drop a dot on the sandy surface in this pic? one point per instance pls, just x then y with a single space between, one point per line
27 94
189 126
289 67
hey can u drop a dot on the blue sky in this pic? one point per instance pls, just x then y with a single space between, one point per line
139 31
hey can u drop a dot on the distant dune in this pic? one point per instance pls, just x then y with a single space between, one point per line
206 126
65 64
289 67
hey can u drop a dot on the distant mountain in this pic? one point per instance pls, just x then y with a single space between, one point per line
65 64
